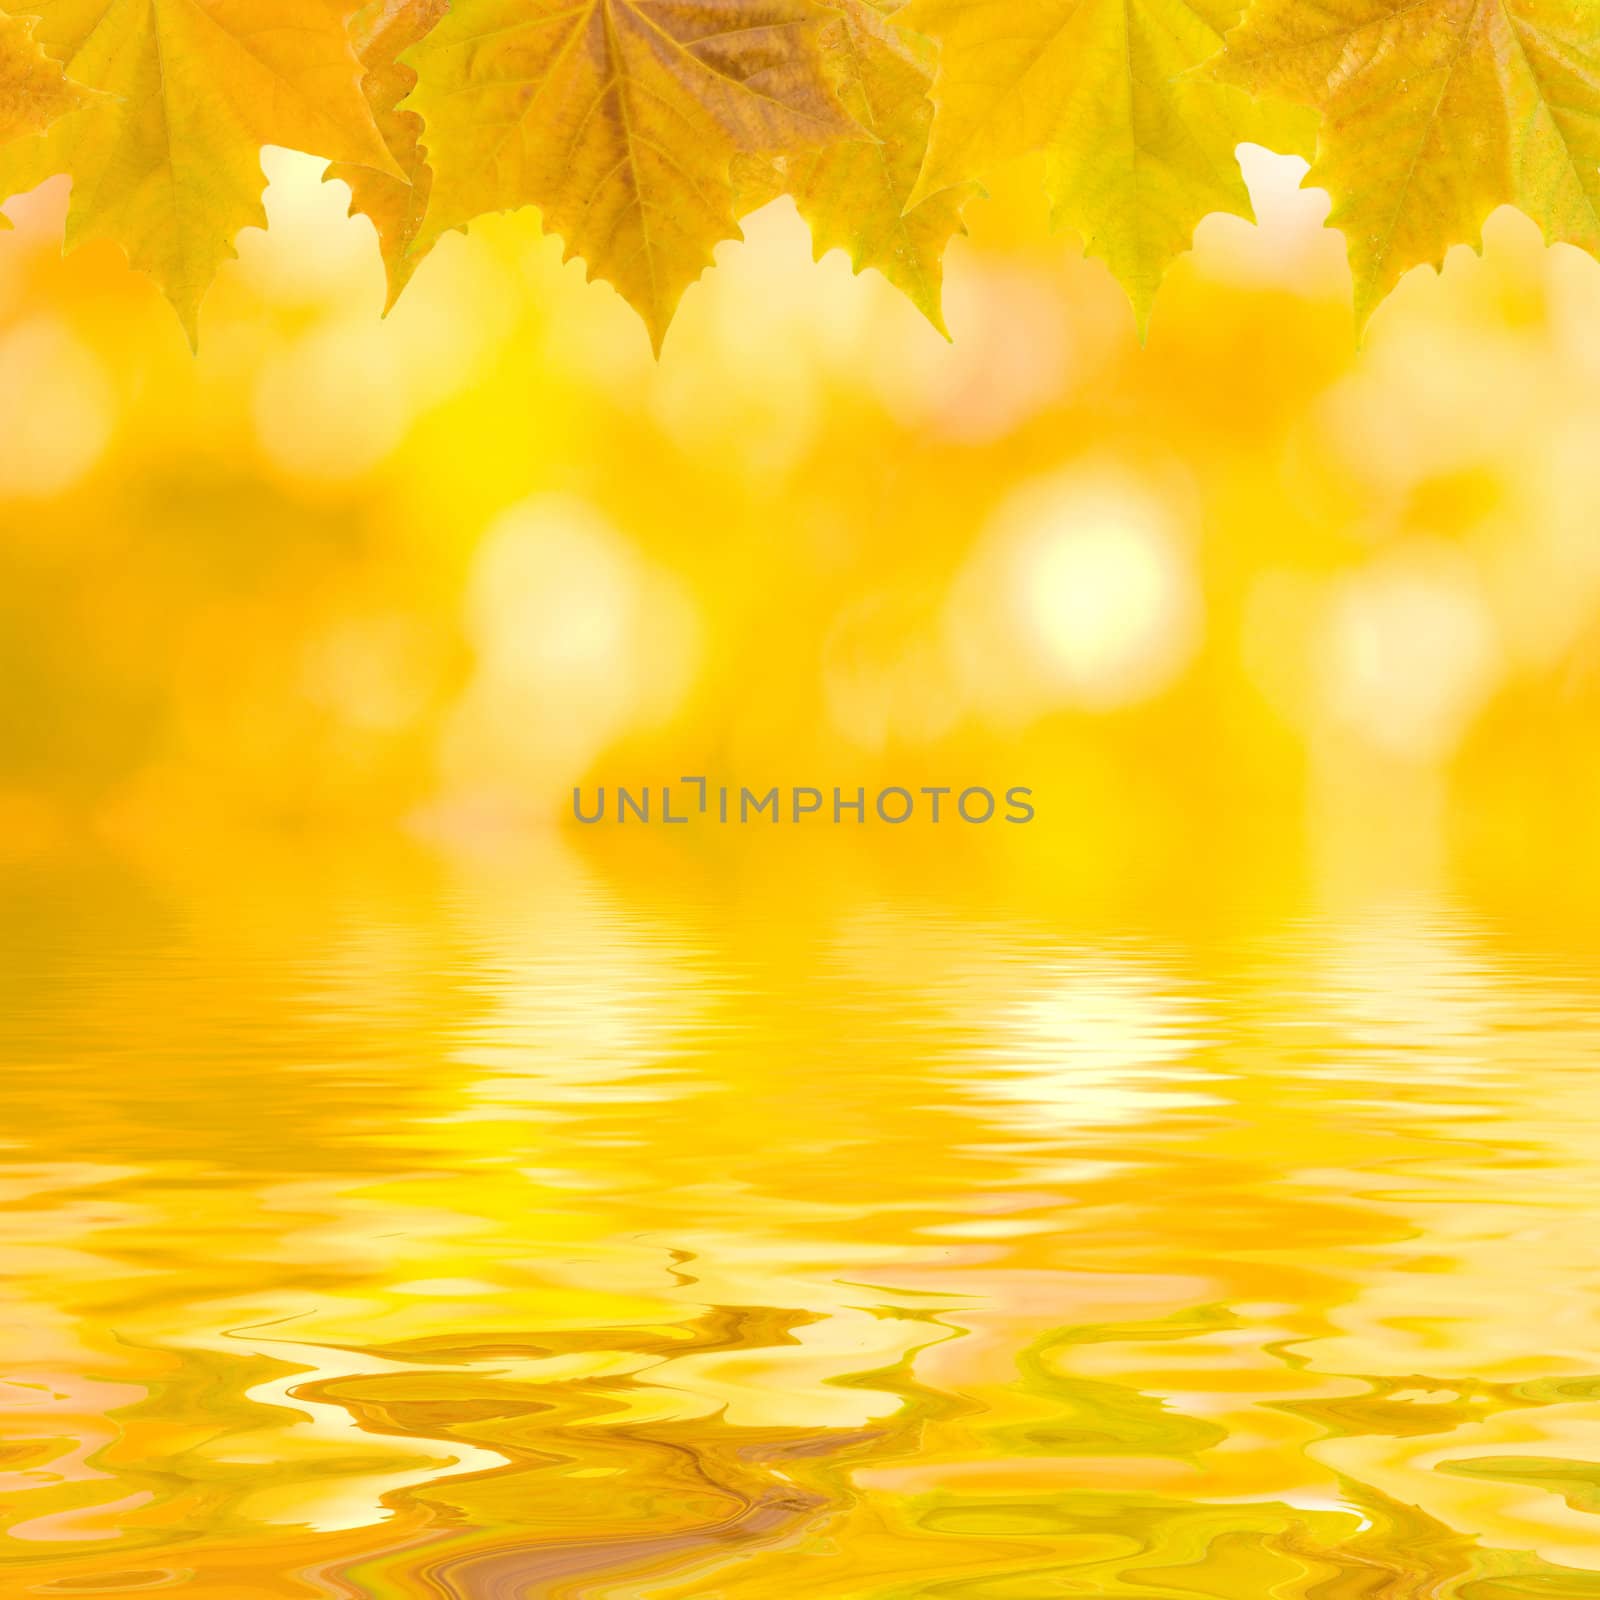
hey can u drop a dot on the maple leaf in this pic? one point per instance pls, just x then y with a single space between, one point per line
854 193
380 32
620 120
1138 146
165 160
1433 115
34 91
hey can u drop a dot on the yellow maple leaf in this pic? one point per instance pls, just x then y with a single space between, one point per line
34 91
620 120
1138 146
1433 115
381 32
165 161
853 193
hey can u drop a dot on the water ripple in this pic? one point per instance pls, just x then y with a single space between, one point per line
472 1235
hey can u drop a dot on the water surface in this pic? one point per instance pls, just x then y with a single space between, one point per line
459 1231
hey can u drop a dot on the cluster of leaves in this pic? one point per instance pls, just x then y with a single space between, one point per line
644 129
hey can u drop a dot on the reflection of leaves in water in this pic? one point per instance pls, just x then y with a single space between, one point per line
591 1491
494 1328
1370 1548
1577 1482
1409 1407
1091 1417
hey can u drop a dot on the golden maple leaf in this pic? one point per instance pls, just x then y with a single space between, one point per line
1138 146
1434 113
620 120
34 91
854 192
165 160
381 31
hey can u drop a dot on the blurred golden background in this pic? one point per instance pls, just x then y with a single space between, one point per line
1246 584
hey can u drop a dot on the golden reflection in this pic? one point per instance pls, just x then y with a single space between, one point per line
508 1228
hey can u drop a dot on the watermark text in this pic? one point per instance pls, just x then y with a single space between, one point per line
699 800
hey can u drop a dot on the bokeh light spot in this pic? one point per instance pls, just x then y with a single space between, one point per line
1409 652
